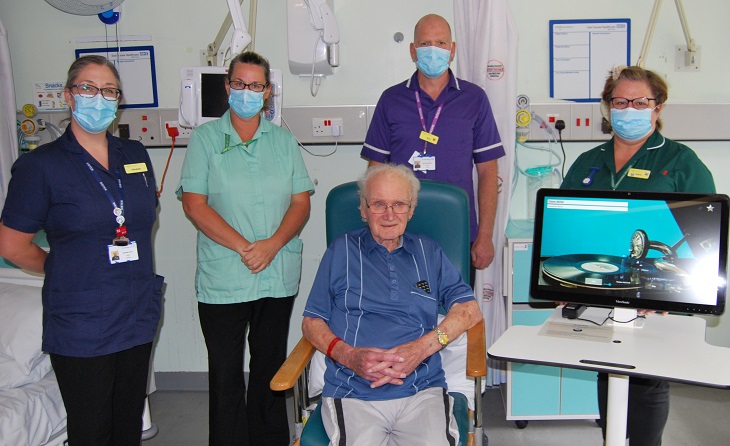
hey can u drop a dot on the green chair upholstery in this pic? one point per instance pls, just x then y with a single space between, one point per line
442 213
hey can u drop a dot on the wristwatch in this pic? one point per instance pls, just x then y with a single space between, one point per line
443 338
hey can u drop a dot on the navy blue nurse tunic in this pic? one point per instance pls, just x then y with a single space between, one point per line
90 306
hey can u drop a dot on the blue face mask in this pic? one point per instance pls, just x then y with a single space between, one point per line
246 103
631 124
432 61
94 114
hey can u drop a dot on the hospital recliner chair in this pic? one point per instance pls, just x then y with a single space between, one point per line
442 213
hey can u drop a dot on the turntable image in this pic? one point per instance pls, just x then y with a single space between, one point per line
632 272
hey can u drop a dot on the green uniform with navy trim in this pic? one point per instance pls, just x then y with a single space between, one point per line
671 167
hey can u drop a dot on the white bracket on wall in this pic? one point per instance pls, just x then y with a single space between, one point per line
688 57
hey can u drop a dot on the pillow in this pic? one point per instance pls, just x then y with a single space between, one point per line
11 376
21 326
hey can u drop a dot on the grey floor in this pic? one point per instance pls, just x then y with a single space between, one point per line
699 416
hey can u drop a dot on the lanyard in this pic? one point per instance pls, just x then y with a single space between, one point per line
228 147
614 184
423 120
117 210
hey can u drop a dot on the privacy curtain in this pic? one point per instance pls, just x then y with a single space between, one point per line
8 139
486 48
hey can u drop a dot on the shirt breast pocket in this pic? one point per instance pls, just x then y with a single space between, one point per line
424 306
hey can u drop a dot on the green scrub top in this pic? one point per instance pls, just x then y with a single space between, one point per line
250 186
661 165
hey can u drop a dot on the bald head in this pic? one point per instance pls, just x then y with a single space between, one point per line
430 22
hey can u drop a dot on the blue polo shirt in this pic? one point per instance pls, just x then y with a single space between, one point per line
466 130
250 186
667 166
90 307
369 298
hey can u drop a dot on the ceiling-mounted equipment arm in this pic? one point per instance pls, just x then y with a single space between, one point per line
240 38
691 46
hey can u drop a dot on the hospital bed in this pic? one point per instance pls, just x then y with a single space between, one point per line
31 409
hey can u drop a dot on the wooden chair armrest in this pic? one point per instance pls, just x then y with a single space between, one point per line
476 351
293 367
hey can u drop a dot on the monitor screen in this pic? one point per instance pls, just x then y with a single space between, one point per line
658 251
213 95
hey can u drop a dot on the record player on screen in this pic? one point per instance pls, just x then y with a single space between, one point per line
593 248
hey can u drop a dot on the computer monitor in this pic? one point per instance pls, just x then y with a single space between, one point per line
651 250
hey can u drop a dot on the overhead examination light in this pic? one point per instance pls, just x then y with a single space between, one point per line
84 7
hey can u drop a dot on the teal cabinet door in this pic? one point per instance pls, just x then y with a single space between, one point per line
578 393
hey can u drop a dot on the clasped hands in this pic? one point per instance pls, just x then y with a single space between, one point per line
259 254
381 366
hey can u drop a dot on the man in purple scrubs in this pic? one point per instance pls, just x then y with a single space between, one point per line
441 126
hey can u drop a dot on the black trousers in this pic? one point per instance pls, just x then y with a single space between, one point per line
236 416
648 409
104 396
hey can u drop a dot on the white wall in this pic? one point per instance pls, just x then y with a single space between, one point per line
42 42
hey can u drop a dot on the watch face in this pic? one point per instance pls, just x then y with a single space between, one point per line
638 244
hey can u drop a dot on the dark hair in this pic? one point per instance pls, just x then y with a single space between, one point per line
658 86
250 57
82 62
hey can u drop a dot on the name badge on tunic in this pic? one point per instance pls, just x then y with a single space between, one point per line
135 168
429 137
122 254
639 173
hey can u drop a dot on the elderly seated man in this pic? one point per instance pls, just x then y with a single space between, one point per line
373 310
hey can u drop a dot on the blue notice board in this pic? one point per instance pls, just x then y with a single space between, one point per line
582 53
136 65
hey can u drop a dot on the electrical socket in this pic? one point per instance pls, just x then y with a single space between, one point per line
325 127
183 132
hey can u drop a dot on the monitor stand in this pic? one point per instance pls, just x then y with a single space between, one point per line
627 318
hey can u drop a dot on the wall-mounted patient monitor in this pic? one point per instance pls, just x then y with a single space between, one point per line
203 95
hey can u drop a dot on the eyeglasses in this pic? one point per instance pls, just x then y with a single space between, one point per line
379 207
258 87
637 103
89 91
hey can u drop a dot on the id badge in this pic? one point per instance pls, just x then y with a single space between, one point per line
639 173
122 254
424 163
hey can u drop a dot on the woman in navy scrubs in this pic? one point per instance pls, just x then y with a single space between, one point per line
94 196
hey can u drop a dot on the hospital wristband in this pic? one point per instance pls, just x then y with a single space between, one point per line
332 345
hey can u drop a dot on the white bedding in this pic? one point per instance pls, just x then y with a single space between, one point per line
31 414
31 408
